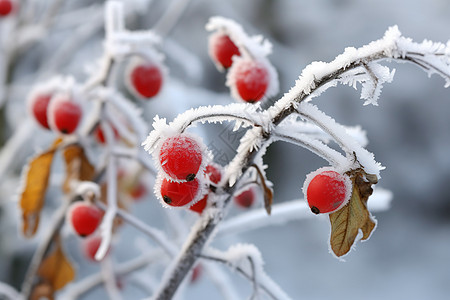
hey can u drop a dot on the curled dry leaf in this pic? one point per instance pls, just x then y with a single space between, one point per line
36 178
78 166
56 270
268 192
353 217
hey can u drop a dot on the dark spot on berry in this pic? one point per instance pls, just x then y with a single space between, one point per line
315 210
167 199
65 131
190 177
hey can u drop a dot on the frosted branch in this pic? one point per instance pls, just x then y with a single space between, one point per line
153 233
9 292
246 259
75 290
106 226
316 146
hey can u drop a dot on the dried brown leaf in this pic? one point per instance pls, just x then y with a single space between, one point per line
78 166
353 217
56 269
32 197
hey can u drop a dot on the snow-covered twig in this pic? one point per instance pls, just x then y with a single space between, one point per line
171 17
106 226
247 260
9 292
153 233
109 279
77 289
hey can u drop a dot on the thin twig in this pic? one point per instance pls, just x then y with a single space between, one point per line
242 272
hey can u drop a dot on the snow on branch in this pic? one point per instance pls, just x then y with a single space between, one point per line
354 151
247 260
319 76
242 114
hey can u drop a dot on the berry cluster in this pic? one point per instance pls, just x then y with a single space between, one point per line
180 159
326 190
55 111
249 76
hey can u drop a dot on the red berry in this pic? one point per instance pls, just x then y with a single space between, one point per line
64 115
326 192
200 205
214 173
222 49
39 105
90 247
251 80
246 198
179 193
138 190
146 79
6 7
100 135
180 157
196 272
84 218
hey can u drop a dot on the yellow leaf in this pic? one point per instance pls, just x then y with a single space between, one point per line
353 217
56 269
32 197
78 166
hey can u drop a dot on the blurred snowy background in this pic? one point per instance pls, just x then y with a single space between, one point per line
407 257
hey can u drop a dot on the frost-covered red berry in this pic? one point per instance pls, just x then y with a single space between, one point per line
200 205
181 157
246 198
179 193
222 49
84 218
64 115
251 79
138 190
6 7
100 136
327 191
146 79
38 107
213 172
